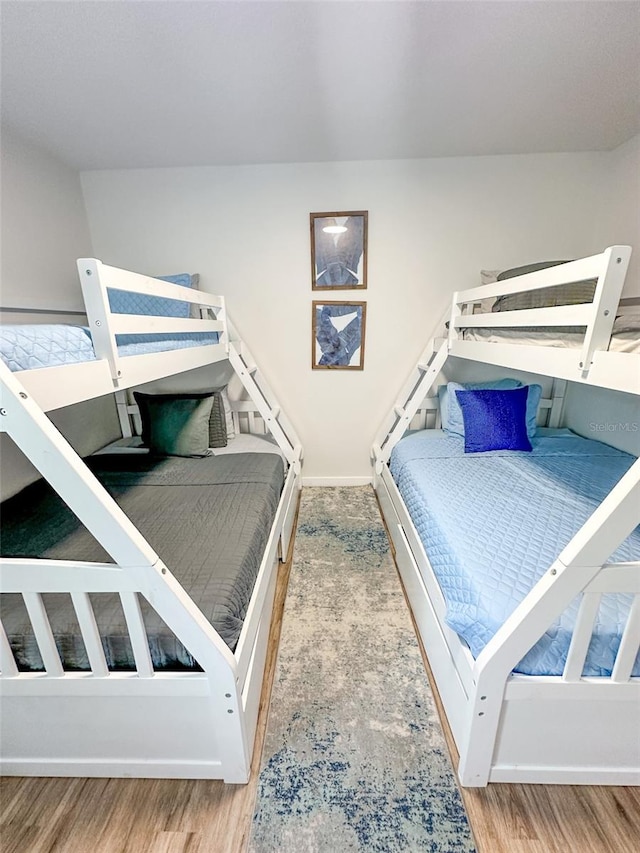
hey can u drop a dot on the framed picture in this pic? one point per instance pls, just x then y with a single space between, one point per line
339 250
337 339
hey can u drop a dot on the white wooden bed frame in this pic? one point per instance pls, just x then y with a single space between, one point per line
142 723
509 727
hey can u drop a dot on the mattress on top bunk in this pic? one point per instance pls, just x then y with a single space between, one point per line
208 519
51 345
493 523
625 335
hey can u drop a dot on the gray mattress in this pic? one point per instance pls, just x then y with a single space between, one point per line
208 519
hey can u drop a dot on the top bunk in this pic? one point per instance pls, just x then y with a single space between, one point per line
565 320
139 329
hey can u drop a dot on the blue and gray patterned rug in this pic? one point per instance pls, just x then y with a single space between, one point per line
354 757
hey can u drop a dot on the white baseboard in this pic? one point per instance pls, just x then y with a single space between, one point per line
336 481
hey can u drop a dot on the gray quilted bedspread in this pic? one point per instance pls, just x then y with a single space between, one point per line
208 519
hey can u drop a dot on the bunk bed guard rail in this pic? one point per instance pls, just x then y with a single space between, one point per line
597 316
97 279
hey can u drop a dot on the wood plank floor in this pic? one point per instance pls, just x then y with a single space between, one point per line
548 818
185 816
545 818
139 815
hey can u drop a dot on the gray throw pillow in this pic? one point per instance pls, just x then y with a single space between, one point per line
217 422
228 415
547 297
175 424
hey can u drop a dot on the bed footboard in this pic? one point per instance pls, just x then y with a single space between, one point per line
566 729
144 722
103 722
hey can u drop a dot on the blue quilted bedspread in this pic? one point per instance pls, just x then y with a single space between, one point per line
492 524
29 347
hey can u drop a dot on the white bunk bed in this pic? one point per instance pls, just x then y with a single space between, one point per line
566 728
143 723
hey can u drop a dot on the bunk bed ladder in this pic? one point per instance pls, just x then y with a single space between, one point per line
421 381
261 394
412 396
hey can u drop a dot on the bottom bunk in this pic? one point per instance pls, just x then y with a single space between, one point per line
210 520
136 607
532 631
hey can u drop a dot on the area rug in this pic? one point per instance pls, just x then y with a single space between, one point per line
354 757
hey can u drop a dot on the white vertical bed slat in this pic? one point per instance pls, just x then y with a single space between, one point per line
137 634
628 645
581 638
554 415
90 633
7 661
96 300
43 633
122 404
615 261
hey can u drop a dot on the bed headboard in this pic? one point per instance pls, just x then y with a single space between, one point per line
549 412
246 417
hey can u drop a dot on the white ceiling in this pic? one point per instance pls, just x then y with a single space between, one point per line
118 83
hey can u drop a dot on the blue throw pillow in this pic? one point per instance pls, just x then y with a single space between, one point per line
450 414
494 419
122 302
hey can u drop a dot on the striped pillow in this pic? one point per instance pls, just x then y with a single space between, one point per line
217 422
547 297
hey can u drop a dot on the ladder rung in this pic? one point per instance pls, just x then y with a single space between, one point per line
399 410
423 365
251 369
275 412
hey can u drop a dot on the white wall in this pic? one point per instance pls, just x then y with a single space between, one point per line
618 219
433 224
608 416
44 229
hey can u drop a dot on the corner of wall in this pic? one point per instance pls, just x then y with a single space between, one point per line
44 229
611 417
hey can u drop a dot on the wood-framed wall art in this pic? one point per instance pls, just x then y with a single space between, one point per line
339 250
337 335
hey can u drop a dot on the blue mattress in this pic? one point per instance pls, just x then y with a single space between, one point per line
29 347
492 524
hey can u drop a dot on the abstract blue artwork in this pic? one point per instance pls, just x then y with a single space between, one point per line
338 335
339 250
